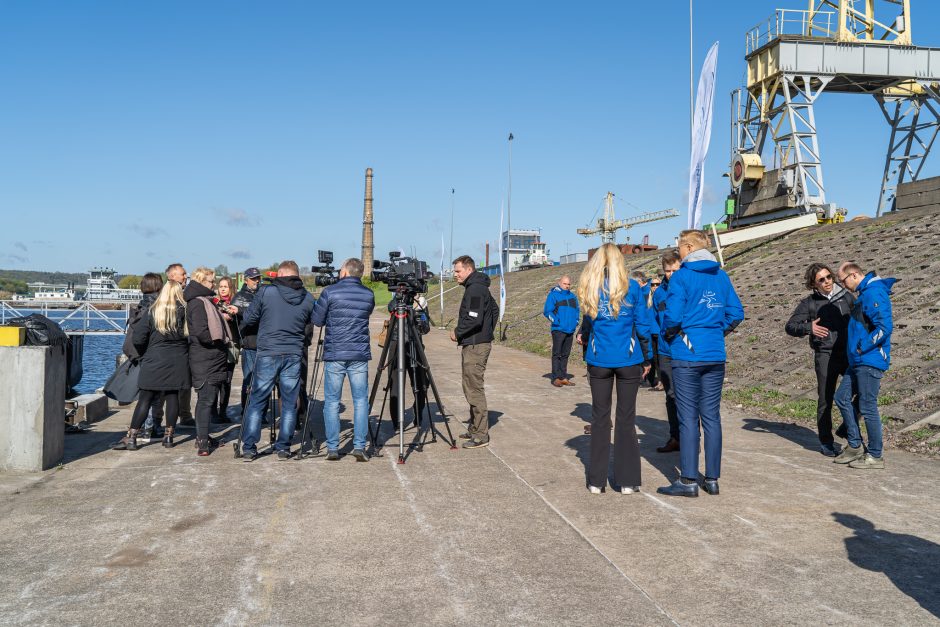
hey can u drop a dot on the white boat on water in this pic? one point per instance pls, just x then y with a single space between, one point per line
102 287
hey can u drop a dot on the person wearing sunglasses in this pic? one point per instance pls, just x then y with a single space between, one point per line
823 316
868 348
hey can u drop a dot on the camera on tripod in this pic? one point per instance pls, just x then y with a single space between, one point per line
324 274
405 274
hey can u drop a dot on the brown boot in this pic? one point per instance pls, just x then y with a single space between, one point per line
558 383
669 447
168 438
567 382
128 442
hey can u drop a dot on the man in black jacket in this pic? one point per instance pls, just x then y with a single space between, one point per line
476 322
281 313
824 317
249 333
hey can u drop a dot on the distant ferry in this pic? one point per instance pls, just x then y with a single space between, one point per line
102 287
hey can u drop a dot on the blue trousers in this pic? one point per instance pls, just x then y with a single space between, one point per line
864 382
284 370
698 402
334 372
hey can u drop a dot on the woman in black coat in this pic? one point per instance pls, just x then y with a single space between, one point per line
162 345
208 351
824 317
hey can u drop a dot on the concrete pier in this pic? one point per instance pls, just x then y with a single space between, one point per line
32 397
505 535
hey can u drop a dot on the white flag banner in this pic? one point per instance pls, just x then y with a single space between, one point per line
701 135
441 278
502 280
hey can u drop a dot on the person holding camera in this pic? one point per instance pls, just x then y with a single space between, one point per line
344 309
209 340
413 368
824 317
249 333
281 312
476 322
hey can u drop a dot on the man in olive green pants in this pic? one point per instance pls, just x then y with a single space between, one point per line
474 334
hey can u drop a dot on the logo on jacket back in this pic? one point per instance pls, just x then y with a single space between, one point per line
708 299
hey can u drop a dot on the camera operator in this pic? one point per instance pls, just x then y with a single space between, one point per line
413 369
476 322
281 312
344 309
249 333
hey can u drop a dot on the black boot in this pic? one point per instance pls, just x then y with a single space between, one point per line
168 438
128 442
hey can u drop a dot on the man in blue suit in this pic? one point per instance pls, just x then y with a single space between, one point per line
868 349
701 309
561 309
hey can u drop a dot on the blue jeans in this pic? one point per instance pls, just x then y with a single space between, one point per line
333 374
865 382
698 396
268 370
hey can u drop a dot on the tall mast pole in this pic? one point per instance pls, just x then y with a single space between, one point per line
451 224
509 209
691 82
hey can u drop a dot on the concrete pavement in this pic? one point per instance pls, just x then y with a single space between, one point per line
502 535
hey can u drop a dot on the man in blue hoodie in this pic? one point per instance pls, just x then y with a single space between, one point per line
868 348
670 262
281 313
701 309
561 309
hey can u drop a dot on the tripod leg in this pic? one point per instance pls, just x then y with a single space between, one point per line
307 432
382 365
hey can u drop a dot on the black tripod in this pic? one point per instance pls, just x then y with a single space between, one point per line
315 380
402 321
272 411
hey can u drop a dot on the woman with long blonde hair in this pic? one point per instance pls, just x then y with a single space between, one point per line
617 352
163 347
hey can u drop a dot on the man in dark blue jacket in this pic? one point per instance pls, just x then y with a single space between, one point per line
281 313
868 348
561 309
670 262
701 309
344 309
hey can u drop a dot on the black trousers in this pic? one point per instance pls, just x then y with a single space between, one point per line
561 350
225 394
651 375
205 401
626 447
664 365
829 367
148 398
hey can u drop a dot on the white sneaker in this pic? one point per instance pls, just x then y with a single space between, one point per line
594 489
631 490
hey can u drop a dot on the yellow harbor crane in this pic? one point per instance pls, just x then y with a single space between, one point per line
608 226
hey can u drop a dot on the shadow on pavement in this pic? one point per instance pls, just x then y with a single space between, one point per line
87 444
655 433
911 563
798 434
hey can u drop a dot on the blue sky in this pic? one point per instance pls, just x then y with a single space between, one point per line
134 134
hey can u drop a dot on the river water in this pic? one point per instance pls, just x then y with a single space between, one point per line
98 358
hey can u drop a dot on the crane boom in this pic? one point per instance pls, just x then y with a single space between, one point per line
607 226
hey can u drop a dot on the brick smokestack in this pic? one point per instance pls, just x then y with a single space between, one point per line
368 248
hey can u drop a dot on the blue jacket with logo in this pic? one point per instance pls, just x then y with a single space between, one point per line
561 307
619 341
659 313
344 309
701 308
870 326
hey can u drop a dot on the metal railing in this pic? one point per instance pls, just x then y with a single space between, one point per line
792 22
74 318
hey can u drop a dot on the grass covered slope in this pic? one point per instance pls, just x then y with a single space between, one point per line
768 371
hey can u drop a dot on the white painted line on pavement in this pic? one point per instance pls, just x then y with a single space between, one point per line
583 536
